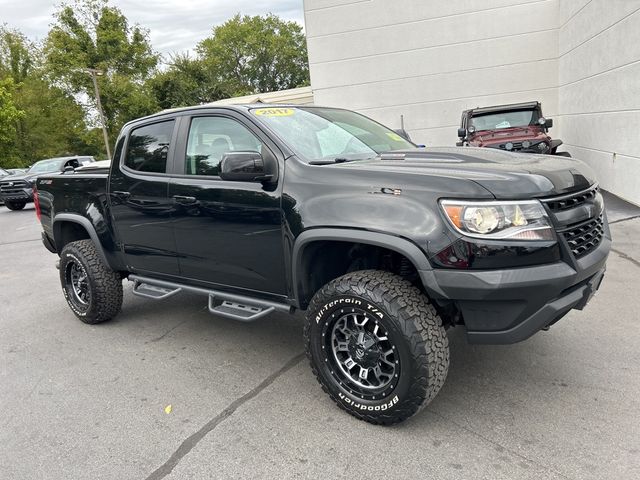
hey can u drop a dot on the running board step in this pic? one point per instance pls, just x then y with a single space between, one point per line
155 292
238 311
228 305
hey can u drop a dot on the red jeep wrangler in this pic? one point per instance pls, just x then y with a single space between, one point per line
519 127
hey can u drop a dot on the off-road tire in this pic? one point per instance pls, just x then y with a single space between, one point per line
411 322
15 205
104 285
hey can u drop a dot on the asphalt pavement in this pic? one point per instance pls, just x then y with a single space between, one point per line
168 391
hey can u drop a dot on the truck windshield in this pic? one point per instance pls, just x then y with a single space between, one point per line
319 134
498 120
44 166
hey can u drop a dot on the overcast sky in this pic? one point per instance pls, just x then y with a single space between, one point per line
174 25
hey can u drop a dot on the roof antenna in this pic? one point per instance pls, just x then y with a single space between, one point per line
402 121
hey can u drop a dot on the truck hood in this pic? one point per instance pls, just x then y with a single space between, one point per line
505 175
25 176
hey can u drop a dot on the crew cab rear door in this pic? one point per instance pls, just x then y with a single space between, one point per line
137 190
228 233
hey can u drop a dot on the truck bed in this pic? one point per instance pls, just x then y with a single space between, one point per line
82 193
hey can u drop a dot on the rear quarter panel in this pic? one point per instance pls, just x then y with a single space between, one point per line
83 195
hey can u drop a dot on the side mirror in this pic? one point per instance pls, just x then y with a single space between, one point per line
246 167
69 169
403 133
462 133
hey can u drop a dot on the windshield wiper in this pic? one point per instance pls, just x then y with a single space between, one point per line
336 160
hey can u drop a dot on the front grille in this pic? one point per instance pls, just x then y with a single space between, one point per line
571 201
18 186
585 237
520 147
516 146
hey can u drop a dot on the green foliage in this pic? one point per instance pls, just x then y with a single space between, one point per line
256 54
9 113
92 34
16 55
244 55
47 99
186 82
50 122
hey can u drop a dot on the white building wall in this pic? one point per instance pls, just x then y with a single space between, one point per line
429 59
599 89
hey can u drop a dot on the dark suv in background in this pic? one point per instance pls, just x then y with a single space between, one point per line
17 190
518 127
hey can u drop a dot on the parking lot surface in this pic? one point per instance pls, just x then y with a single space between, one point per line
80 401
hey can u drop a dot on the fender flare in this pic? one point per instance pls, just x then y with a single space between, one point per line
398 244
86 224
555 143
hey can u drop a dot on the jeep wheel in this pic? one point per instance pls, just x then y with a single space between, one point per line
15 205
92 290
376 345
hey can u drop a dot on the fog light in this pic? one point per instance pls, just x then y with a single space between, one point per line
509 146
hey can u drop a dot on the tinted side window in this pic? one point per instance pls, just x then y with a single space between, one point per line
148 147
210 138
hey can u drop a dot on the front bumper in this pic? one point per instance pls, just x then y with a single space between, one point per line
22 195
508 306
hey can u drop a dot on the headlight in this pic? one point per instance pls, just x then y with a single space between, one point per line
543 147
514 220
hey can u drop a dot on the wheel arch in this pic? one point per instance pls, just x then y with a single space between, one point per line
69 227
300 258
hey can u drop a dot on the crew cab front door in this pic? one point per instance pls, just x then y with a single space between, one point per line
227 233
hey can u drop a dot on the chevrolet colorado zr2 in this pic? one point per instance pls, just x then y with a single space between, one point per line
384 245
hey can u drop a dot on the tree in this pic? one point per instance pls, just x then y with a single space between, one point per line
186 82
92 34
50 122
9 114
256 54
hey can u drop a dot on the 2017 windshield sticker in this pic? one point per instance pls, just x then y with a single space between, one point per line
274 112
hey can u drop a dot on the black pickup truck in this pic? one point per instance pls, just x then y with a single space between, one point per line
383 244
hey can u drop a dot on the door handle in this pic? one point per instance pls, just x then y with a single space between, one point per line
122 194
184 200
